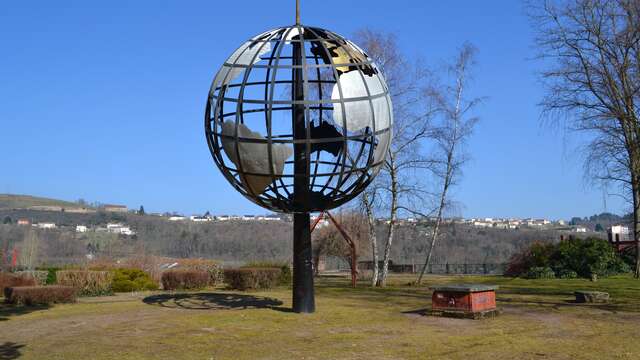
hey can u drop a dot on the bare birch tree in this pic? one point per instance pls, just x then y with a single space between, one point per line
452 126
368 199
592 48
396 188
29 251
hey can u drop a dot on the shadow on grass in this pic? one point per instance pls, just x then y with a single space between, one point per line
10 350
213 301
7 310
422 312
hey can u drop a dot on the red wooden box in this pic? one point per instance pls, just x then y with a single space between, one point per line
464 300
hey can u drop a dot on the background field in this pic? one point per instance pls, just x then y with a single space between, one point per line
539 322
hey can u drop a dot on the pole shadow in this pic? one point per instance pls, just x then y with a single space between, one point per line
10 350
7 310
213 301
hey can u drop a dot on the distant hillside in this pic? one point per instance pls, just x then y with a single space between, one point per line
10 201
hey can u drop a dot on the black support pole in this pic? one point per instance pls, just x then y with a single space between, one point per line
303 294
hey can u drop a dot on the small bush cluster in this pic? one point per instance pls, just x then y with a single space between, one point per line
285 270
87 282
588 258
127 280
38 275
10 280
538 272
252 278
185 279
39 295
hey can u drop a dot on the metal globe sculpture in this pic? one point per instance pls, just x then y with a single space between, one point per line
298 120
345 119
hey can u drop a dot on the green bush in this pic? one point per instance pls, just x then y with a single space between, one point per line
185 279
51 274
252 278
568 259
127 280
86 282
567 274
51 277
39 295
538 272
285 270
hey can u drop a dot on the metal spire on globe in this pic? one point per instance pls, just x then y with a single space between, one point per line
299 120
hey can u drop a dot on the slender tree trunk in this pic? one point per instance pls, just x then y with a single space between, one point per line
392 222
434 236
372 237
449 172
636 221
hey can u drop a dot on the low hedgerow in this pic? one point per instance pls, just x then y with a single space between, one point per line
252 278
212 267
285 270
185 279
540 272
86 282
11 280
39 295
38 275
127 280
566 274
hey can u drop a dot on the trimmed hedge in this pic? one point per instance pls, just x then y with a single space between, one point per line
10 280
87 282
212 267
285 269
39 275
185 279
252 278
39 295
127 280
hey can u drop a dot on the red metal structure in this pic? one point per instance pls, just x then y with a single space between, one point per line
14 258
347 238
470 301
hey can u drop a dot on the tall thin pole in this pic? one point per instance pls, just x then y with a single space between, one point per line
303 292
297 12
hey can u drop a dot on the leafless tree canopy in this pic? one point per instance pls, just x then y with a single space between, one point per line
399 187
592 49
452 125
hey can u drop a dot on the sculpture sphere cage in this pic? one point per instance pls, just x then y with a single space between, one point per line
299 119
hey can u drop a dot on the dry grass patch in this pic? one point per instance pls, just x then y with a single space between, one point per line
360 323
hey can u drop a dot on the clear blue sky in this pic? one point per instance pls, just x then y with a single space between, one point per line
104 100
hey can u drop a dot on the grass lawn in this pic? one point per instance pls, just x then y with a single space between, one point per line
539 322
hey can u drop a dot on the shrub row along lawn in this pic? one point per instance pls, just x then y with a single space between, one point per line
39 295
106 282
538 322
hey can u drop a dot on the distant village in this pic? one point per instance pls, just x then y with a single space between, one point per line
620 233
119 228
